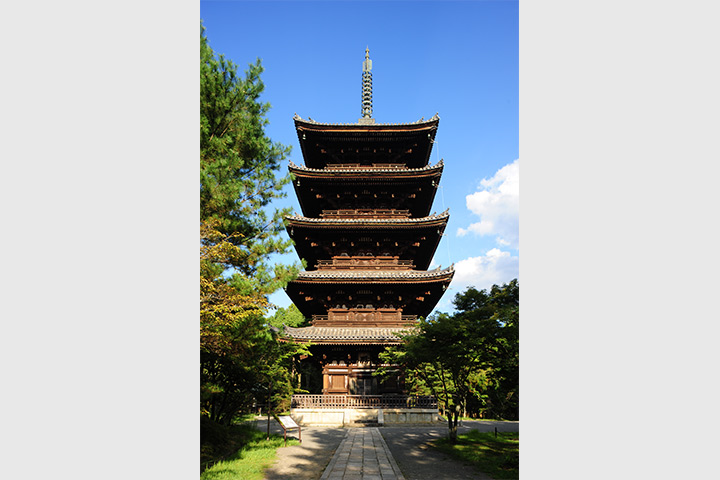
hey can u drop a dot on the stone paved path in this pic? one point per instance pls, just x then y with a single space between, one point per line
334 453
362 455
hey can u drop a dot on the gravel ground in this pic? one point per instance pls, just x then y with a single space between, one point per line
418 461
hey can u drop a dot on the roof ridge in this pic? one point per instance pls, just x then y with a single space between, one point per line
345 333
427 218
358 273
298 118
317 327
441 163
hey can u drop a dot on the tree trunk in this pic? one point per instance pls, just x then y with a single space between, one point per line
453 424
268 411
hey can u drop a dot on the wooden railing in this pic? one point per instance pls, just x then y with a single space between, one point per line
365 212
359 316
365 263
353 166
363 401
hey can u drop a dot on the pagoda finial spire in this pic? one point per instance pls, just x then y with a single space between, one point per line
367 86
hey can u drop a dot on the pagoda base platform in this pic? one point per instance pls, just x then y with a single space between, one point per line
359 417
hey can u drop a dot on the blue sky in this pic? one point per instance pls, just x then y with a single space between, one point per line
458 59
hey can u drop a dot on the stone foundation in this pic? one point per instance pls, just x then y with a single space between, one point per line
348 416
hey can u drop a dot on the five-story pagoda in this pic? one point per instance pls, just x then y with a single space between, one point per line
368 238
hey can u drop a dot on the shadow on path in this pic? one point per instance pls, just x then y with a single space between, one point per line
308 460
407 444
419 461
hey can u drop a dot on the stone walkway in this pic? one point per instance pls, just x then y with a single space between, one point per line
334 453
362 455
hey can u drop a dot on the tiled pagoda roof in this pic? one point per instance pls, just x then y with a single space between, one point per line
400 222
418 291
366 143
362 171
309 121
356 335
375 275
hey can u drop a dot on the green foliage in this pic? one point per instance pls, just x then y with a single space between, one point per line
289 316
236 451
497 315
468 360
241 358
238 163
256 369
498 456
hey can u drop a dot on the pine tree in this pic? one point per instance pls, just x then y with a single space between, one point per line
238 166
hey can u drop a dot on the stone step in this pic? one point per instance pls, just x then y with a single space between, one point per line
363 423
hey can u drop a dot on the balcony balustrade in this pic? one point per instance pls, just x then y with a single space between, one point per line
366 213
363 401
374 166
358 316
365 263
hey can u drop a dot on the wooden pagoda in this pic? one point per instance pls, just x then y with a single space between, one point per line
368 238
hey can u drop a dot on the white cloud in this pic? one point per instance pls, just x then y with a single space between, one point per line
494 268
498 206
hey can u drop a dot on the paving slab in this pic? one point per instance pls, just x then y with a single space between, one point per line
368 451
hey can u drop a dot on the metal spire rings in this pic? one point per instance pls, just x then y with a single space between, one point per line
367 86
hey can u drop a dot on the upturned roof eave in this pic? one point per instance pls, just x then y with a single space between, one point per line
331 341
425 132
366 127
362 173
297 221
375 276
345 335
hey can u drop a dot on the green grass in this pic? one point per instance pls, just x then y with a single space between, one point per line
237 452
498 457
